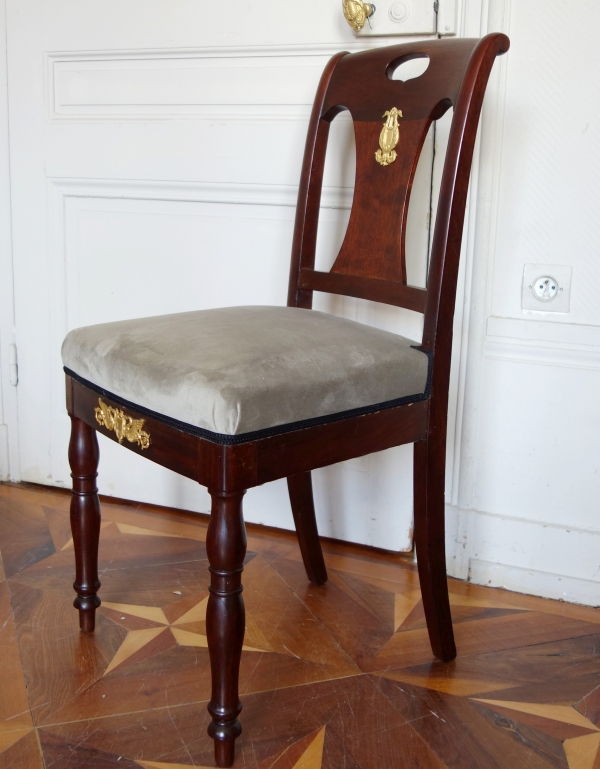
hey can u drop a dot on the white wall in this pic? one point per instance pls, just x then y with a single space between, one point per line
526 511
8 395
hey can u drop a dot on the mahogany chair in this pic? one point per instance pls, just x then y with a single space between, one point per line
237 397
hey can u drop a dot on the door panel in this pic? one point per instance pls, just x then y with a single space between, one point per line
155 157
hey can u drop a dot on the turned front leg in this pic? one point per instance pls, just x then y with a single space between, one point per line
85 520
225 619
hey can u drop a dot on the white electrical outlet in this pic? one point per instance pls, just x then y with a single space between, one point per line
546 287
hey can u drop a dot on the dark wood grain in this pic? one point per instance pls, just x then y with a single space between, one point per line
386 291
291 453
84 456
245 465
225 619
370 265
231 468
430 541
381 196
303 510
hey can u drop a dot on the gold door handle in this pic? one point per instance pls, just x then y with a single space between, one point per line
357 12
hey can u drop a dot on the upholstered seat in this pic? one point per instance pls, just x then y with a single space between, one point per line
239 370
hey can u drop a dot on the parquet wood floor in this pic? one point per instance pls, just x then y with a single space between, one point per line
333 677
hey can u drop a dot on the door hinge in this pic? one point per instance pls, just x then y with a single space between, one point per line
436 6
13 366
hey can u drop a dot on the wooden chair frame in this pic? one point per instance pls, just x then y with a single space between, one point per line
457 76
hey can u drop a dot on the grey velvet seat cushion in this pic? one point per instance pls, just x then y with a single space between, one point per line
236 370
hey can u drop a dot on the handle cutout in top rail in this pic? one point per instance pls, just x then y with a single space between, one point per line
408 67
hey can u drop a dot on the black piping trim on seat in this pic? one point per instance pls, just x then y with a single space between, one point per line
234 440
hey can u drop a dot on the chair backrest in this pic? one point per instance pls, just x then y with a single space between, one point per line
371 262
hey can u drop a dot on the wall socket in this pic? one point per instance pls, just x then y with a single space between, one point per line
546 287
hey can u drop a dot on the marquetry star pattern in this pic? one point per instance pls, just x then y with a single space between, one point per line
156 634
153 630
579 735
161 632
524 688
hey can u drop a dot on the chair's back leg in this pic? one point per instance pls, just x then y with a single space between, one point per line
429 480
84 456
303 509
225 619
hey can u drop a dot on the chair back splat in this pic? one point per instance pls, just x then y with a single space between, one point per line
371 263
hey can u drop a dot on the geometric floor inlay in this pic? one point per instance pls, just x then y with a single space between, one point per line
333 677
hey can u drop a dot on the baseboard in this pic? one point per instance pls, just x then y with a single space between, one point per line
532 582
534 557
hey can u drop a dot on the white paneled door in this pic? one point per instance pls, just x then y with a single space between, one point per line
155 151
